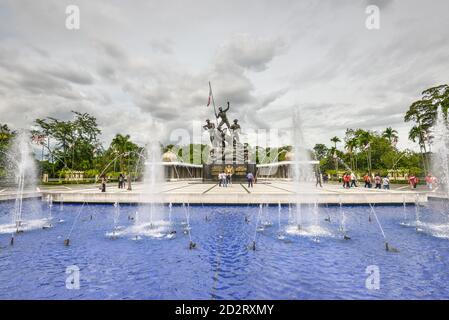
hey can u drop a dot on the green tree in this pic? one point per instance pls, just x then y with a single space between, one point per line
390 134
74 141
423 113
123 148
321 151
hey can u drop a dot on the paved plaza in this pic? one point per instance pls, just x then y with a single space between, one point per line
238 193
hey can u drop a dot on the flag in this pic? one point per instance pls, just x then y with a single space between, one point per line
38 138
368 145
210 96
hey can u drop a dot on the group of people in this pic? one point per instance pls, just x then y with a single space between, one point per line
379 182
224 178
121 181
349 180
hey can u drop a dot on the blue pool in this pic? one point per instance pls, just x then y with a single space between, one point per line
222 266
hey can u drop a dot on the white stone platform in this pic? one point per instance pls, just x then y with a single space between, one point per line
271 192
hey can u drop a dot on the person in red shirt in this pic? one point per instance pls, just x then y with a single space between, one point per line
346 179
367 179
413 180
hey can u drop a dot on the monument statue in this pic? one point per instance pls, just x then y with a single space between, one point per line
224 118
235 129
227 153
211 128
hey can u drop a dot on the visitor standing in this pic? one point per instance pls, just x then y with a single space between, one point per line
413 181
318 178
220 179
225 179
377 181
250 178
228 178
429 181
353 180
120 181
325 178
103 184
386 183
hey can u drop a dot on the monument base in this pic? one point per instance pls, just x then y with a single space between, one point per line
238 171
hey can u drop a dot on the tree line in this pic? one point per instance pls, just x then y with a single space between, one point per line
74 144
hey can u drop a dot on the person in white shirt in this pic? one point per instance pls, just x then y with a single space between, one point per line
353 180
386 183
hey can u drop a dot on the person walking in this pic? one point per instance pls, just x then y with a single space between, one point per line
103 184
367 179
347 179
377 181
386 183
318 178
353 180
250 178
220 179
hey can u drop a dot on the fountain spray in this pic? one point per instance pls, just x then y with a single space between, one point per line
387 245
67 239
252 246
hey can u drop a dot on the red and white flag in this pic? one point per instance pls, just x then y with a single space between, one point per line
210 96
38 138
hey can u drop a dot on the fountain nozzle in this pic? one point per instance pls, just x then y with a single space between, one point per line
192 245
12 241
253 246
67 242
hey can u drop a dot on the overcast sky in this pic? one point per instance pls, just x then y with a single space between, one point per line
135 62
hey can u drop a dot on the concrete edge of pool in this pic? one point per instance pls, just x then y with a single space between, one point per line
239 199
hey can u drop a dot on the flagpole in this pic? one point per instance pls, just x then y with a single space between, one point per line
213 102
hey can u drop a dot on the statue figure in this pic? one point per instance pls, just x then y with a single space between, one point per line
235 129
211 128
222 115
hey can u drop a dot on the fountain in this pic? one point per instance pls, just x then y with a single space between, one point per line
21 165
440 163
281 236
307 221
257 228
150 219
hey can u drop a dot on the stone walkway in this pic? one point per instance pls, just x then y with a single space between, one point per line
238 193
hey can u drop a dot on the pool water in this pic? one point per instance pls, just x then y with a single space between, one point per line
222 266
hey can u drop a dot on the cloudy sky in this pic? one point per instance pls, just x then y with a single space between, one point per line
139 64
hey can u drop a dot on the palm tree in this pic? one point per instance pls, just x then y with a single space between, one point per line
364 142
351 145
121 145
390 134
419 133
335 140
